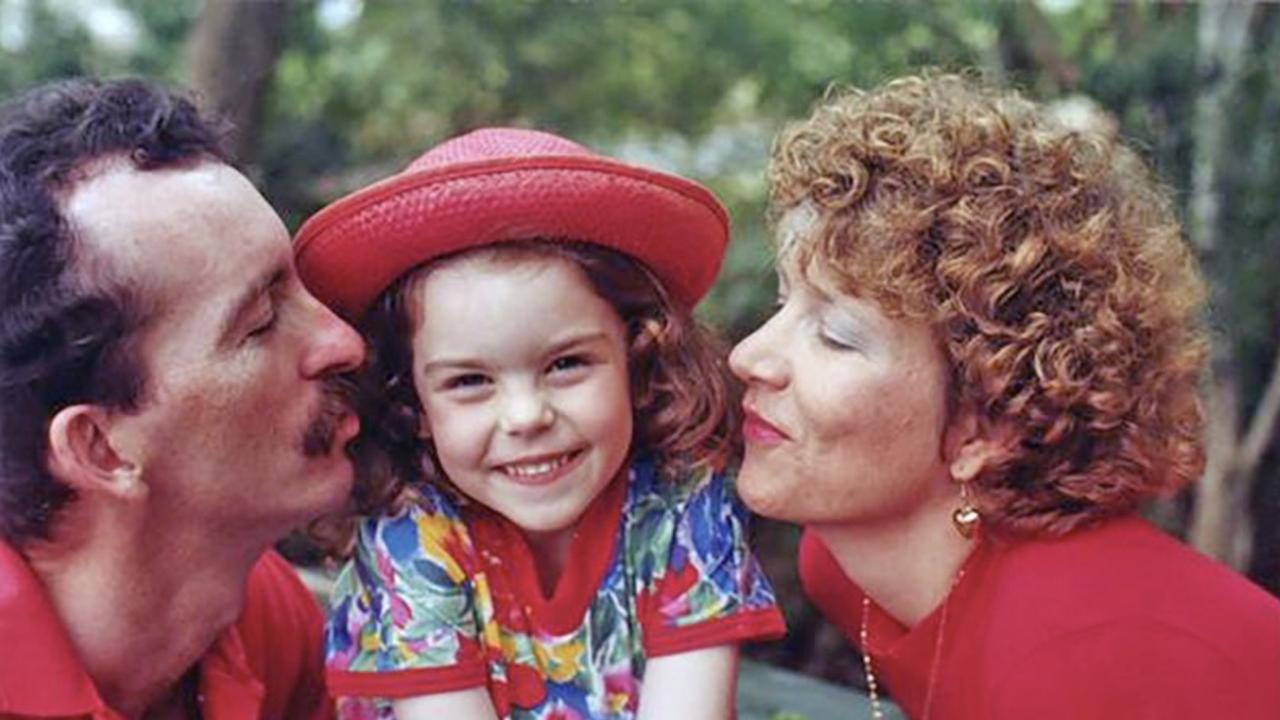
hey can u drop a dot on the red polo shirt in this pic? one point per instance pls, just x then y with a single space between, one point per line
267 665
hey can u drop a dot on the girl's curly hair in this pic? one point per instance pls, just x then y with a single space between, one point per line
684 406
1050 262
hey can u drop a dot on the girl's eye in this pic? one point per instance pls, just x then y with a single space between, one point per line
465 381
567 362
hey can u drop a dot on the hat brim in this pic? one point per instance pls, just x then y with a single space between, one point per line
353 249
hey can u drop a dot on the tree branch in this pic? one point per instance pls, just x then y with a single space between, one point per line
1262 426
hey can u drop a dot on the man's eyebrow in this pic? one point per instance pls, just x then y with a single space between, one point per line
250 296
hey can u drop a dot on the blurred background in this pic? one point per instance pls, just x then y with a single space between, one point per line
327 95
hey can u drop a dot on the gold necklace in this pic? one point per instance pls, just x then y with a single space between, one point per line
873 685
873 692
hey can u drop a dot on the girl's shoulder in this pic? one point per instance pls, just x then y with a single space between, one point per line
674 484
426 512
421 500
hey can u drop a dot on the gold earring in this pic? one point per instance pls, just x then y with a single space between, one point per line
966 517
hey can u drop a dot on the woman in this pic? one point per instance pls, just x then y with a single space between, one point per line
984 358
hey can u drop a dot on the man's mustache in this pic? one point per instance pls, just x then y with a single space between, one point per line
335 404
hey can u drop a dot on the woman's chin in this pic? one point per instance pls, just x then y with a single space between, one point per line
763 491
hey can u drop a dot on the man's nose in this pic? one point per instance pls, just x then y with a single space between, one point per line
333 345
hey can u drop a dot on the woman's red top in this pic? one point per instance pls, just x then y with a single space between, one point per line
1117 621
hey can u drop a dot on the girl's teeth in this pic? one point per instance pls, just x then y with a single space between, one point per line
540 468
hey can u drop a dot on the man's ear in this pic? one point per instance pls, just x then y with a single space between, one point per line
974 444
82 455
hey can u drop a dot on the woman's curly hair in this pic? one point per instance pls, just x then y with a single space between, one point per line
683 404
1051 264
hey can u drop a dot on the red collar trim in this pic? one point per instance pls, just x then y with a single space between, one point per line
892 640
229 687
590 550
41 675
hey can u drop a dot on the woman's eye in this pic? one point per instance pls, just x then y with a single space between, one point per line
835 342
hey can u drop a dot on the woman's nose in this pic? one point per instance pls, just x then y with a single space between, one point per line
758 358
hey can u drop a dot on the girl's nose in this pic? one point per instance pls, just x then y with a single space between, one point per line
525 411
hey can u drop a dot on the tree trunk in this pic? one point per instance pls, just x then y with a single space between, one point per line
1220 525
232 50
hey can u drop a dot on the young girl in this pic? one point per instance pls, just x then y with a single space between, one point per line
551 536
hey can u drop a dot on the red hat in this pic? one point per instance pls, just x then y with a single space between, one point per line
501 184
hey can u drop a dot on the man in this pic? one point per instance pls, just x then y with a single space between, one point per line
165 415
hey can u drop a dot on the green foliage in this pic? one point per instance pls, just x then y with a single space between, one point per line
377 92
49 48
599 68
51 42
165 24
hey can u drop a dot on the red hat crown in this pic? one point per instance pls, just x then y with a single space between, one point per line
502 184
496 144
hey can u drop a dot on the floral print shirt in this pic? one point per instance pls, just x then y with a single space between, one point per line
442 597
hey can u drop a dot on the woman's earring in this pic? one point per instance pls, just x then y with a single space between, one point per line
965 518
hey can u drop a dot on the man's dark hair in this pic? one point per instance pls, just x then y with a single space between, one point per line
65 331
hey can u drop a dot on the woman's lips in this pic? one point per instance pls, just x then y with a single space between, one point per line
756 429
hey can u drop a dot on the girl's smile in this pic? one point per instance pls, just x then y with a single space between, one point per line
542 470
522 373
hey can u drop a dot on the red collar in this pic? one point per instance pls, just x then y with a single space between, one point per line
595 537
41 676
